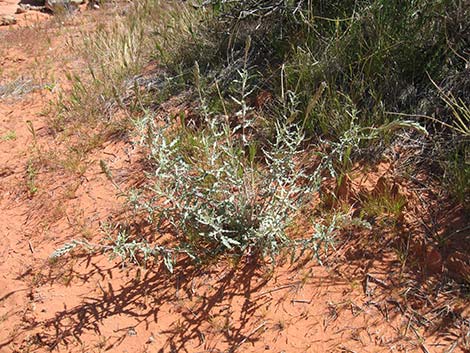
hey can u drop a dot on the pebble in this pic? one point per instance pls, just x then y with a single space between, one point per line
7 20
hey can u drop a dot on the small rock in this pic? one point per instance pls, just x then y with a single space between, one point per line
93 5
22 8
7 20
61 6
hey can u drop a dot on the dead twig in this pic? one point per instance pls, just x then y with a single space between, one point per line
30 247
304 301
247 337
262 294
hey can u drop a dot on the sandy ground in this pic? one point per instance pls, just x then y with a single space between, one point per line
8 7
89 303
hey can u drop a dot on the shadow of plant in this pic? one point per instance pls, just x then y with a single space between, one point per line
196 294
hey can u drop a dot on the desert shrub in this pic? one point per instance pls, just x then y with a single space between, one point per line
215 193
218 188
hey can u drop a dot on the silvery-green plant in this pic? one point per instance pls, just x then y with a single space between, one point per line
324 235
338 158
217 195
